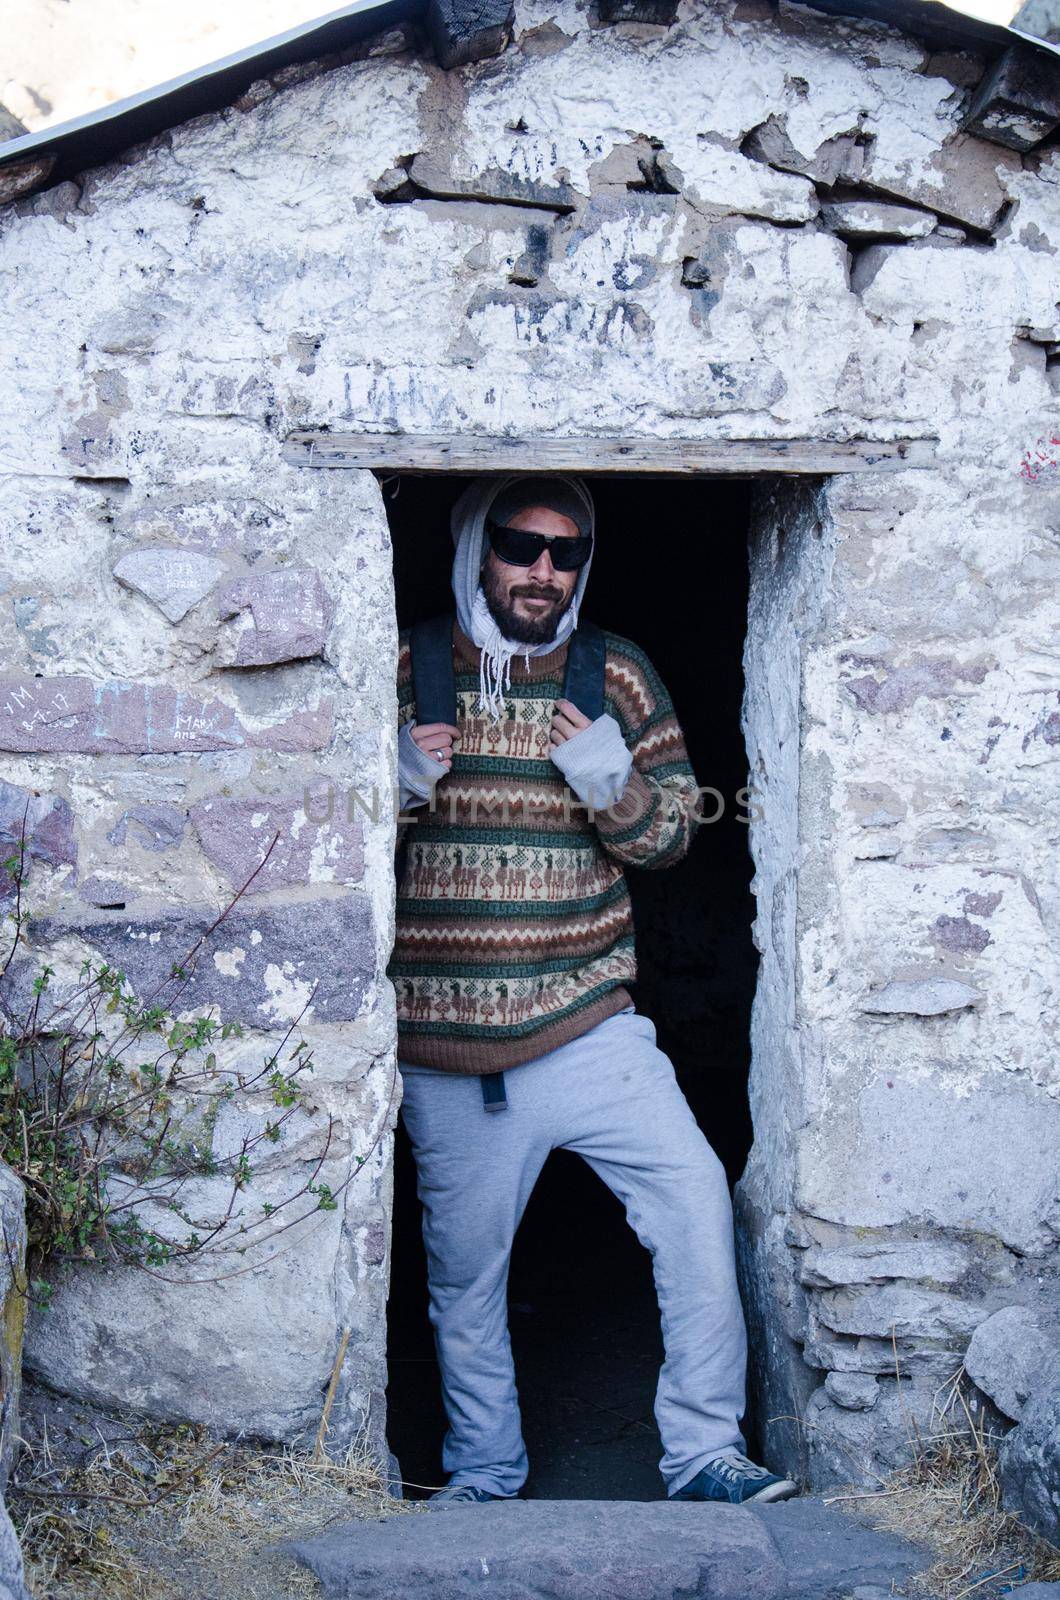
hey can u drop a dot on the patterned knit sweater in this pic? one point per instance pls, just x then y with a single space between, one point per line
515 935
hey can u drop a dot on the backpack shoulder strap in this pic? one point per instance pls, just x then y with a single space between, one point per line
433 683
583 681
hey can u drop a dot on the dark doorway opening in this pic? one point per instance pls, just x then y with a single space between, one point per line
670 573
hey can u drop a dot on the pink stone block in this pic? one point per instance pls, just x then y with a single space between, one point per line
325 846
73 714
290 610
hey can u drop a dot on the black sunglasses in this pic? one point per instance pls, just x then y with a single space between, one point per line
521 548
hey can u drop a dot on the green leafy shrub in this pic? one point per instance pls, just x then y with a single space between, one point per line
108 1114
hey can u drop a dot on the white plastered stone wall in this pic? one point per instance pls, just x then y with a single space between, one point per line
747 225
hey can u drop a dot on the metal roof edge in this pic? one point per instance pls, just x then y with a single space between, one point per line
1048 45
935 18
101 134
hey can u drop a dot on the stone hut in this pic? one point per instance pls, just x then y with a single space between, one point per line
797 261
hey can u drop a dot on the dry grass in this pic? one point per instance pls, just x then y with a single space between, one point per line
169 1514
172 1514
949 1499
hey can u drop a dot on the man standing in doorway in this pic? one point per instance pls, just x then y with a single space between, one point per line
514 942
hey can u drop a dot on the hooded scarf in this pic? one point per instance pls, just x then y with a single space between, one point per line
468 524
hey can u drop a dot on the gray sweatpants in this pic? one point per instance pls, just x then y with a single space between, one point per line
611 1096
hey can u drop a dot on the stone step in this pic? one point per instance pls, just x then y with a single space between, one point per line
610 1550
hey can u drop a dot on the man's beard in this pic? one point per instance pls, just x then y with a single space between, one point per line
527 630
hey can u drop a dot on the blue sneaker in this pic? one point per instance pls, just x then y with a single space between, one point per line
736 1481
463 1494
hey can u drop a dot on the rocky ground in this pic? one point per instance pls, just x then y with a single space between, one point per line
109 1505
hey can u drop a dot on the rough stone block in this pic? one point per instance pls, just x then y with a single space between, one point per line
958 179
468 30
319 845
921 997
604 1551
205 519
868 219
10 126
875 1357
1012 1355
895 687
532 265
864 268
961 179
880 1177
1041 19
53 715
902 1312
1018 102
134 328
297 733
877 1261
505 188
259 966
607 1550
49 827
840 159
248 1351
21 177
174 580
720 181
827 1553
100 891
861 1447
1030 1464
948 923
289 614
152 827
57 201
854 1391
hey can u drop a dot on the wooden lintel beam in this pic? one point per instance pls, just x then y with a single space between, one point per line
664 458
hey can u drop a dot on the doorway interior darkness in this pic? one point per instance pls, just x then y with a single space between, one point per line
670 573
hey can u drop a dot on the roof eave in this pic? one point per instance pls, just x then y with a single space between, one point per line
100 135
53 154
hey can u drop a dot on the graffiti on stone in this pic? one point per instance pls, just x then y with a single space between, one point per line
288 613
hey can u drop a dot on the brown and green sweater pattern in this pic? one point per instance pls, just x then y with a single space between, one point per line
516 935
